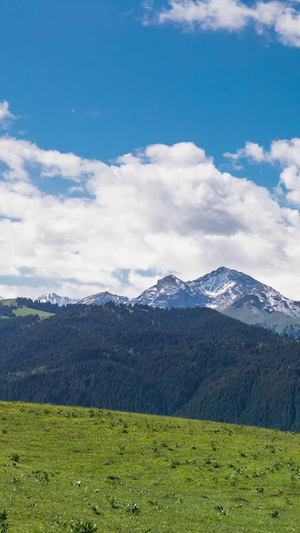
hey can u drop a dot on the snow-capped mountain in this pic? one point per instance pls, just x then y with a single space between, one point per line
171 292
103 298
228 291
216 290
219 290
267 299
53 298
223 286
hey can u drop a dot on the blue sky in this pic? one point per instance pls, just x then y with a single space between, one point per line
133 85
177 84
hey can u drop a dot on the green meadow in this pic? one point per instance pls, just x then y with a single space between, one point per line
23 310
27 311
81 470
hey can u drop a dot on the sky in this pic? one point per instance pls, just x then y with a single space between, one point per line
144 138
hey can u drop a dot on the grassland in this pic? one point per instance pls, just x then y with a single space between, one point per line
82 470
24 310
8 301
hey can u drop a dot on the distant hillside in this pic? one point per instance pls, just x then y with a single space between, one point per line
193 362
20 307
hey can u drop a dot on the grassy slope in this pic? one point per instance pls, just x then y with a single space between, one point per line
25 311
276 320
8 301
57 463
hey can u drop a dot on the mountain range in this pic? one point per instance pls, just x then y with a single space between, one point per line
228 291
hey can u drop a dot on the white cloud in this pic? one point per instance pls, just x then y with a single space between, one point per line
20 155
251 151
283 18
284 152
164 209
6 117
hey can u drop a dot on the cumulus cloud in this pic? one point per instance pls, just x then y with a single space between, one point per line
22 156
284 152
160 210
250 151
283 18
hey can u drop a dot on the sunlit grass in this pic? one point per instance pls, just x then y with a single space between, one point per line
8 301
62 466
26 311
23 310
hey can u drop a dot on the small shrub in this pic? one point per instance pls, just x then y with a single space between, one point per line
113 502
221 509
41 475
15 457
96 509
259 489
80 526
113 478
133 508
3 521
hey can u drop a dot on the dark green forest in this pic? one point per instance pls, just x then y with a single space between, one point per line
193 362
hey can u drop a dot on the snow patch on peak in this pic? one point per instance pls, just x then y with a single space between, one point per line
53 298
170 281
271 300
170 291
102 298
223 285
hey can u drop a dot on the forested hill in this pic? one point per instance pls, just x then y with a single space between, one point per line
193 362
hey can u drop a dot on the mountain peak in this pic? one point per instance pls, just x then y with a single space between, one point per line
223 269
170 280
54 298
104 297
171 291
